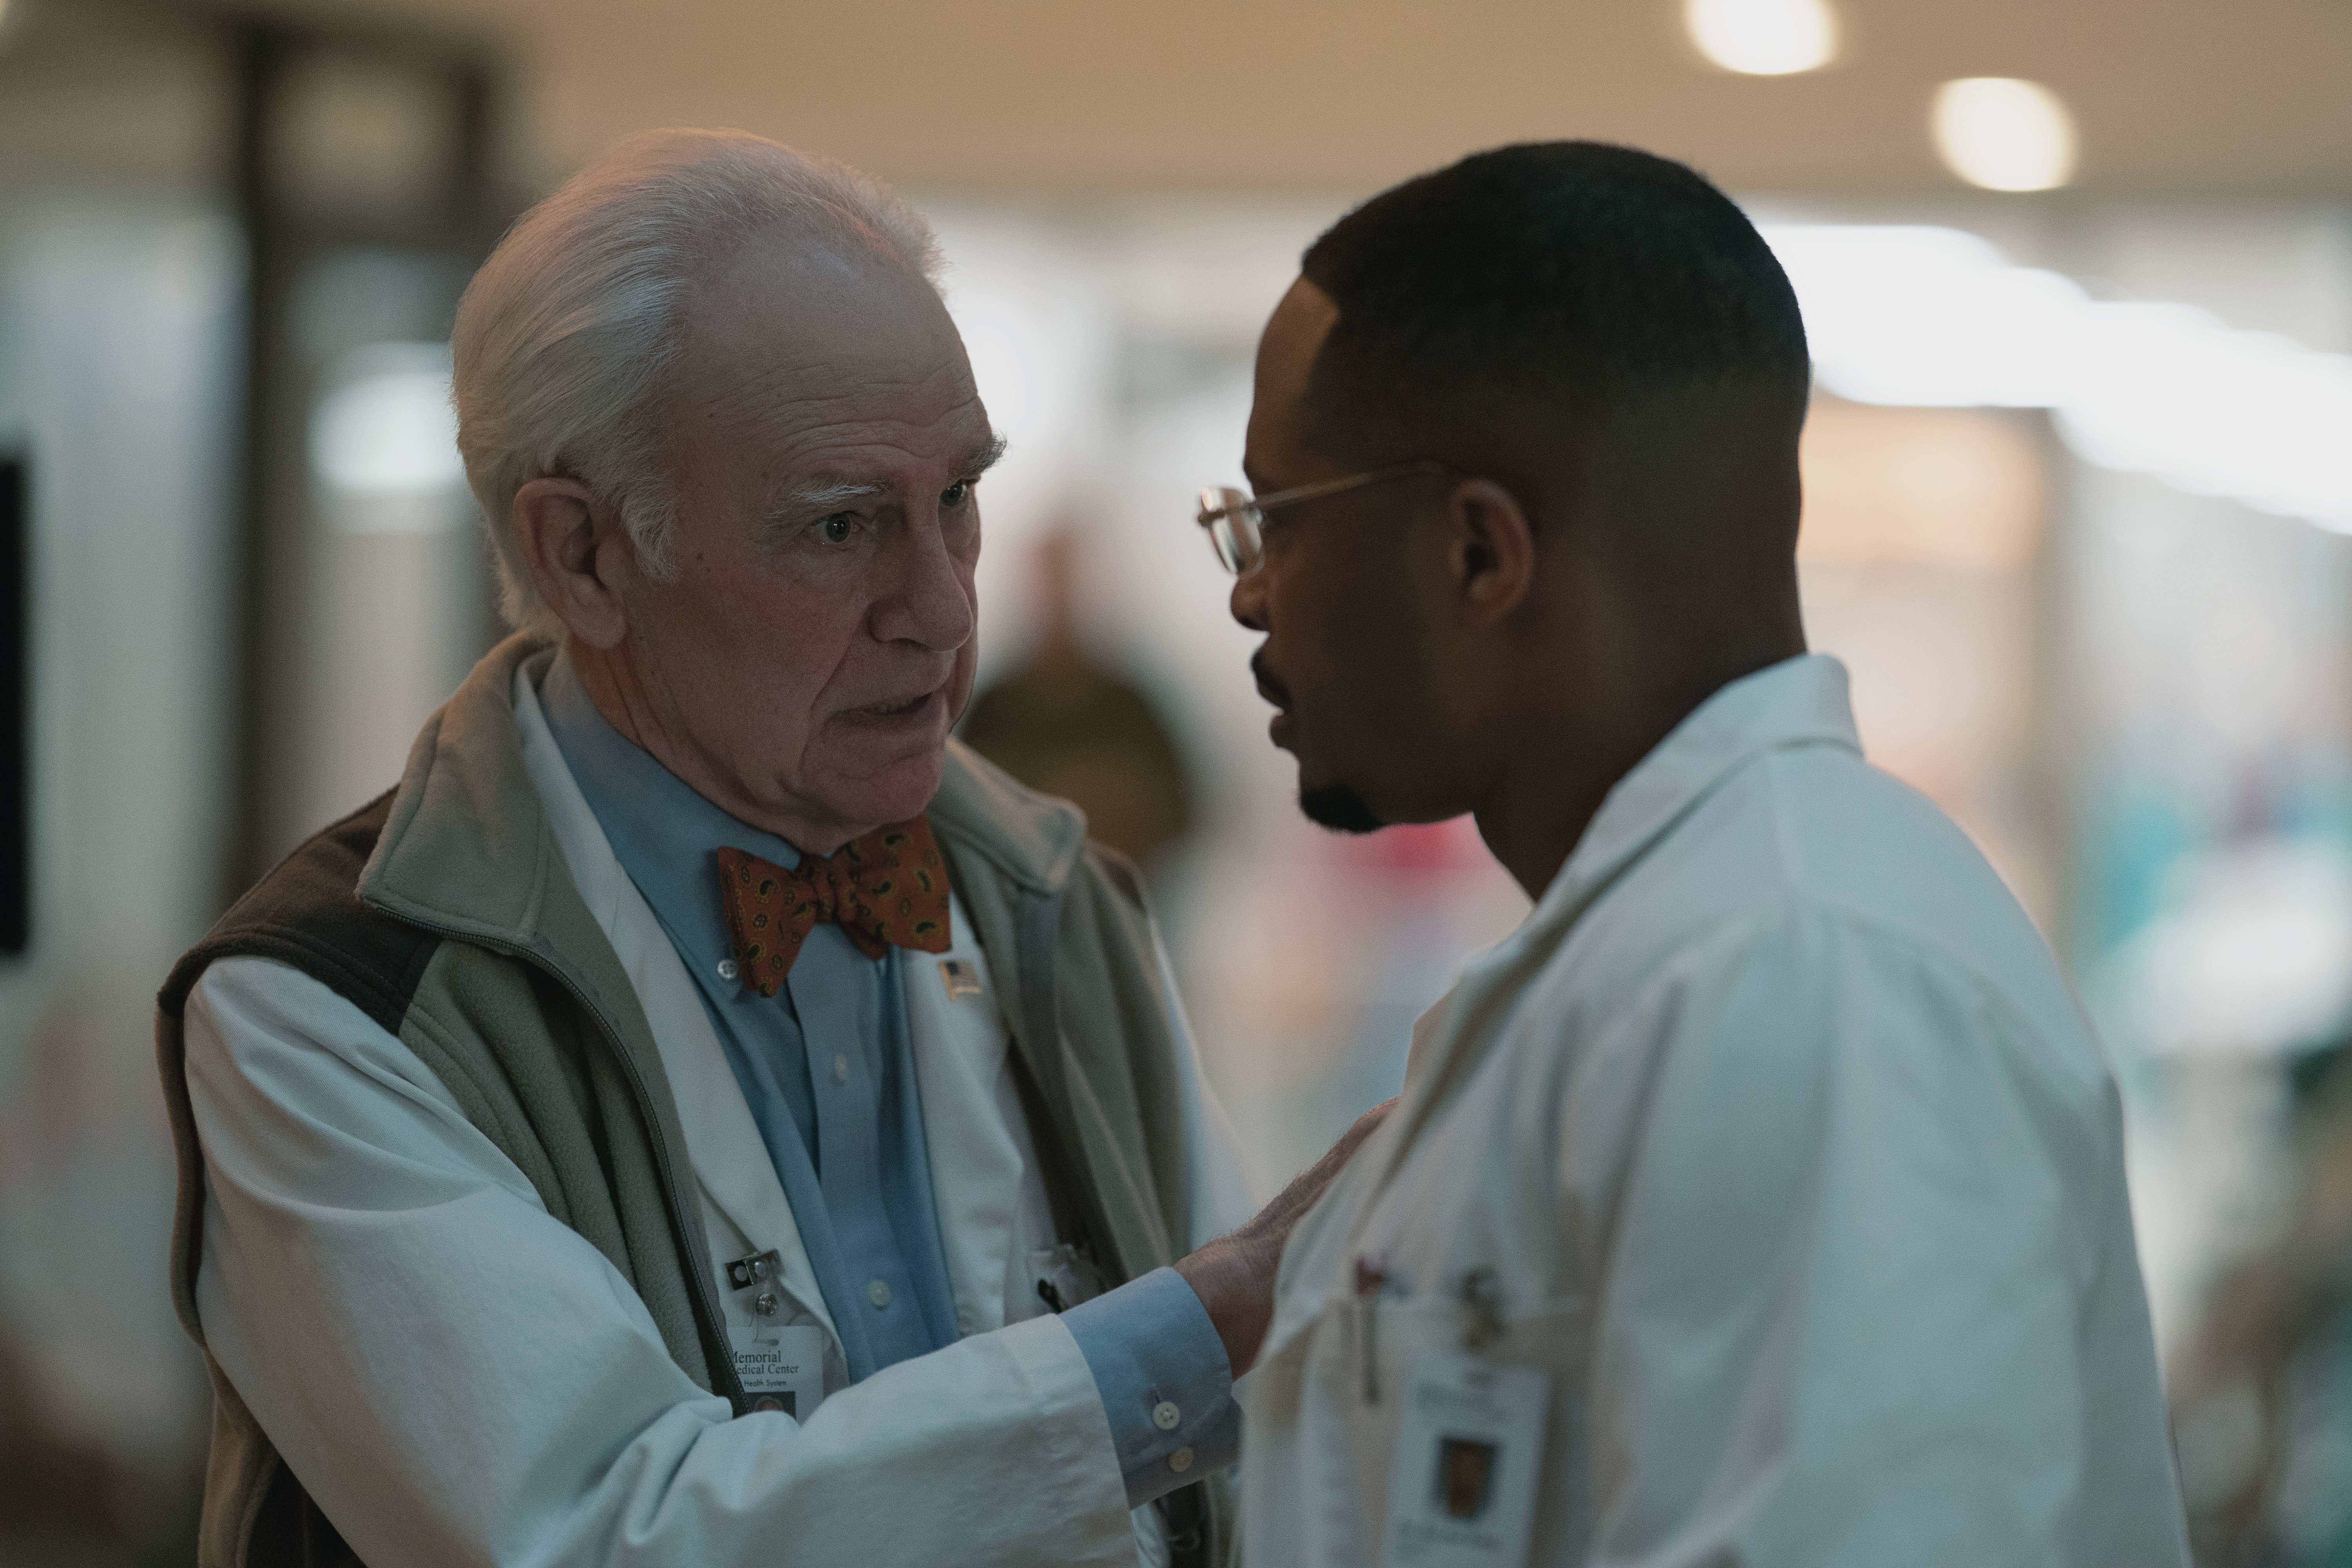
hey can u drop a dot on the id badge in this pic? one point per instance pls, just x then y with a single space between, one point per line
1469 1453
783 1368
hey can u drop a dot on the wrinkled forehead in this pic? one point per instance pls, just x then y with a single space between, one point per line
792 333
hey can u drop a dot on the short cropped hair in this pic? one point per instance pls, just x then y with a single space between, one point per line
568 329
1574 275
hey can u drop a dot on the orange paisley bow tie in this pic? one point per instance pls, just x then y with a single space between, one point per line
887 890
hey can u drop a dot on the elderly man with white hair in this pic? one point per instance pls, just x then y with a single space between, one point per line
703 1115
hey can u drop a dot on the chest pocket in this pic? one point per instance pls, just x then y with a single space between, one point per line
1354 1365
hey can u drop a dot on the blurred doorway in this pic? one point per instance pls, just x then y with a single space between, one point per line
219 239
365 191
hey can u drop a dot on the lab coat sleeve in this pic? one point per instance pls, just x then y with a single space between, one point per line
1840 1323
456 1377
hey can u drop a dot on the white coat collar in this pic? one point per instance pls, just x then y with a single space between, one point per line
1798 702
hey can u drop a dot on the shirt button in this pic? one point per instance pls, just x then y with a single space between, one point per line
1165 1416
841 1069
1181 1460
877 1292
726 969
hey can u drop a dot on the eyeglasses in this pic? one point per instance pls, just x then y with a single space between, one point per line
1236 520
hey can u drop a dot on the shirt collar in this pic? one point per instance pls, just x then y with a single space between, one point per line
1798 702
662 830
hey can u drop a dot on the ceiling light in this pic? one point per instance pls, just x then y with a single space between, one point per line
1763 37
1938 317
2004 134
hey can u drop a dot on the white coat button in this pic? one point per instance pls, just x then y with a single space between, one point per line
841 1069
1165 1416
877 1292
1181 1460
726 969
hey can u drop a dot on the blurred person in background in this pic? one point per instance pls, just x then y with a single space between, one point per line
1761 1199
1064 723
703 1114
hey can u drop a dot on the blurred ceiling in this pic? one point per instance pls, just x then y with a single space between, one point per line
2226 97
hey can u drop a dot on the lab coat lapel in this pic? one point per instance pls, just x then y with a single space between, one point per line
731 1159
1319 1258
976 1164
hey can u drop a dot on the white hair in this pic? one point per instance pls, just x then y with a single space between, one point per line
565 333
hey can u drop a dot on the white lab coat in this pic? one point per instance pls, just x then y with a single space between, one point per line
1799 1172
353 1213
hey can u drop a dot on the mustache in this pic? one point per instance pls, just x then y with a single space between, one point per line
1272 689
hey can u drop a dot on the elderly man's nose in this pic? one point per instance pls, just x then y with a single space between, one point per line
931 605
1248 602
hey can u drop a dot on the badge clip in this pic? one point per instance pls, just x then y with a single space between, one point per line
1481 1310
757 1269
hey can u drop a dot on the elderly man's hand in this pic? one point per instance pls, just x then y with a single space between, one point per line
1233 1275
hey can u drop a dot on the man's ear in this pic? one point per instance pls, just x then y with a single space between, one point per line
578 553
1490 551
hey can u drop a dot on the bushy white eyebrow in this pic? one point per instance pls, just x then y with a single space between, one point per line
841 490
833 494
981 461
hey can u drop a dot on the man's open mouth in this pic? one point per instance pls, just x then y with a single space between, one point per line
895 714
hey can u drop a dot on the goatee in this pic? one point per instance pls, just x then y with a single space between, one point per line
1338 808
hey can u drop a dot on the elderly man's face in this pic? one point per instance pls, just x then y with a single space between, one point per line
823 436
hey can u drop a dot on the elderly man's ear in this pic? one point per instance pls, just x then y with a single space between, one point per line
579 554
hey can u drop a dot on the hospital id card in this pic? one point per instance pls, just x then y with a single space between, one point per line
783 1368
1469 1452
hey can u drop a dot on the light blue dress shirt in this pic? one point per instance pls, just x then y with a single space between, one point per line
826 1067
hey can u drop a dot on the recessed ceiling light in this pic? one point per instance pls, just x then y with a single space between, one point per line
2004 134
1763 37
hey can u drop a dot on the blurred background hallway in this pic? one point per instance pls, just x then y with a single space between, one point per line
2079 482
